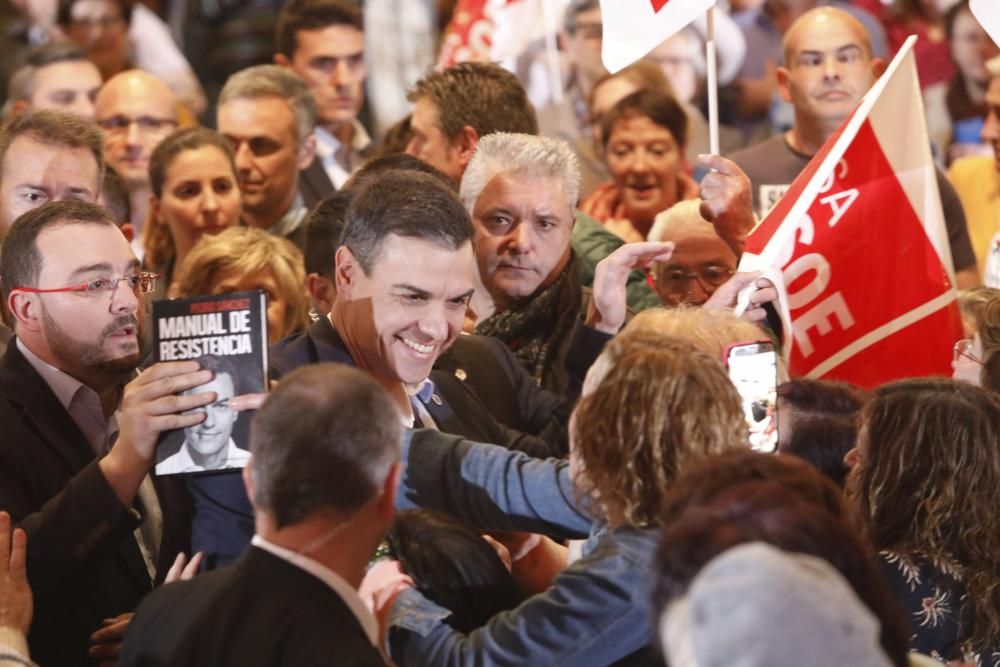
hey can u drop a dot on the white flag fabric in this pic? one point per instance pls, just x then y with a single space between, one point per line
633 28
987 12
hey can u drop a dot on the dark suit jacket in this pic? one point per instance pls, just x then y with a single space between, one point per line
260 611
84 564
455 407
314 184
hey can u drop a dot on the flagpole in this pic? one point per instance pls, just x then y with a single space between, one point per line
552 52
713 84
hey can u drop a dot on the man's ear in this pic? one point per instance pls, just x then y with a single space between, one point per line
322 292
346 271
784 82
386 506
878 67
465 142
281 60
248 480
128 231
307 152
25 308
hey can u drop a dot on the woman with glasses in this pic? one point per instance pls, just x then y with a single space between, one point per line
701 260
195 191
973 359
925 475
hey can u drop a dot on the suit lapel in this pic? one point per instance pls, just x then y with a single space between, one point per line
24 387
21 384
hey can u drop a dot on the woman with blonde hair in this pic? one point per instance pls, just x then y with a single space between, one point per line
925 477
652 406
242 259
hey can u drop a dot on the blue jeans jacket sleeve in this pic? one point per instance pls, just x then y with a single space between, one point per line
597 613
490 487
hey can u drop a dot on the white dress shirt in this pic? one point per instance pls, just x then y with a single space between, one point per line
338 160
182 461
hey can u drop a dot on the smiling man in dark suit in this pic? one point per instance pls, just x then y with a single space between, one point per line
326 461
77 442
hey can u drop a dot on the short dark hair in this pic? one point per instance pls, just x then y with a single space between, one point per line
324 439
829 398
313 15
453 566
20 261
823 441
662 109
575 8
324 227
64 15
373 169
408 204
114 192
483 96
54 128
222 365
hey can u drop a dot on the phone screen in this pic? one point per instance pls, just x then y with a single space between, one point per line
753 368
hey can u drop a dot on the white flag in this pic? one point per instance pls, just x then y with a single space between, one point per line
633 28
987 12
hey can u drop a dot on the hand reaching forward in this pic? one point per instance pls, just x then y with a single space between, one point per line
609 304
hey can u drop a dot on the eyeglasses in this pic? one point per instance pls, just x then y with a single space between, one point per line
139 283
963 348
676 281
102 22
121 124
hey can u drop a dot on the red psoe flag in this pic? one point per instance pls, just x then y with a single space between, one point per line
633 28
987 12
860 243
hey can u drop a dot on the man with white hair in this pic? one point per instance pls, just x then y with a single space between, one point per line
701 261
521 191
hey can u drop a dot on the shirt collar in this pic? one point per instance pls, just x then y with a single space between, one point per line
327 144
292 218
346 592
63 385
234 455
422 390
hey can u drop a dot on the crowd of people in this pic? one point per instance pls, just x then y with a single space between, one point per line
499 428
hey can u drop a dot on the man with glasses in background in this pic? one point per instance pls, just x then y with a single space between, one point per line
77 441
135 111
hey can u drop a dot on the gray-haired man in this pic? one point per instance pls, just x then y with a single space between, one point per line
268 114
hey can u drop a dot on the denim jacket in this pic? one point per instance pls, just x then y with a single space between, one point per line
597 611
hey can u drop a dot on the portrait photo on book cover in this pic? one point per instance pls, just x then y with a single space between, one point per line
221 441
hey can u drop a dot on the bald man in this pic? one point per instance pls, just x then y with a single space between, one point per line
828 68
136 111
701 260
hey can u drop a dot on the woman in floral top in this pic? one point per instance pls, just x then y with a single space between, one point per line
926 477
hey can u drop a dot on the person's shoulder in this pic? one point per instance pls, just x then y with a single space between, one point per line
758 152
971 170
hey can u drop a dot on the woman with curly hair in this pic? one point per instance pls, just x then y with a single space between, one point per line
243 259
651 407
926 473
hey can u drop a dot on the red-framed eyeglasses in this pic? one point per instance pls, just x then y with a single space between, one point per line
140 283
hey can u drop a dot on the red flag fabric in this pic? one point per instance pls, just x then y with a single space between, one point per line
859 240
633 28
469 35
